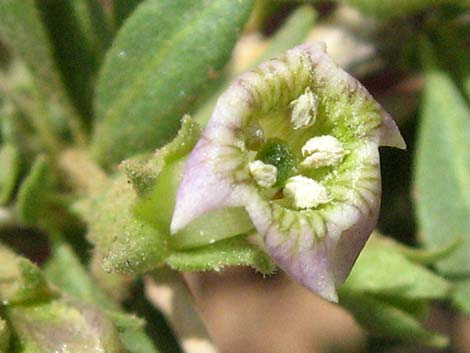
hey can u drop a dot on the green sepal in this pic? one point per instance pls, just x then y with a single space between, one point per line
383 269
383 319
236 251
143 174
32 195
125 243
9 171
4 337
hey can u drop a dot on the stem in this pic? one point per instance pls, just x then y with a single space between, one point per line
167 290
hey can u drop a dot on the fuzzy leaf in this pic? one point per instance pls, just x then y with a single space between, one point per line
442 175
50 326
20 280
9 171
32 195
122 9
382 269
231 252
65 270
21 28
73 51
462 295
161 61
387 320
389 9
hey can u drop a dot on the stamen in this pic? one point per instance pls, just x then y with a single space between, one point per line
305 192
322 151
264 174
304 110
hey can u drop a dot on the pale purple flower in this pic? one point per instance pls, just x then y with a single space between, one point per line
315 223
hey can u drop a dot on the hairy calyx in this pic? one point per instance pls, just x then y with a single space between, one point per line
294 141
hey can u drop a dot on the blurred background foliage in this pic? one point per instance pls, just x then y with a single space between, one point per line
86 261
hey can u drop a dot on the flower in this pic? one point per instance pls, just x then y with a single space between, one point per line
319 129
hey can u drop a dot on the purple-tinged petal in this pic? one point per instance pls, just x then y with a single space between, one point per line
316 241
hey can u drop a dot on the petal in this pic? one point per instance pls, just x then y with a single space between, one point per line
317 246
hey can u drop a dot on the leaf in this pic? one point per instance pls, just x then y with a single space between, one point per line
423 256
32 195
236 251
73 52
122 9
390 9
383 269
9 171
50 326
442 173
462 295
20 280
161 61
65 270
4 337
22 29
95 23
386 320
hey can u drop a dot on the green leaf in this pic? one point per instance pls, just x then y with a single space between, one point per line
462 295
122 9
20 280
442 174
22 29
4 337
51 326
160 62
65 270
383 319
9 171
390 9
383 269
95 23
73 52
32 195
236 251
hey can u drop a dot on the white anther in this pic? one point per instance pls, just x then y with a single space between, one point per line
264 174
304 110
322 151
305 192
